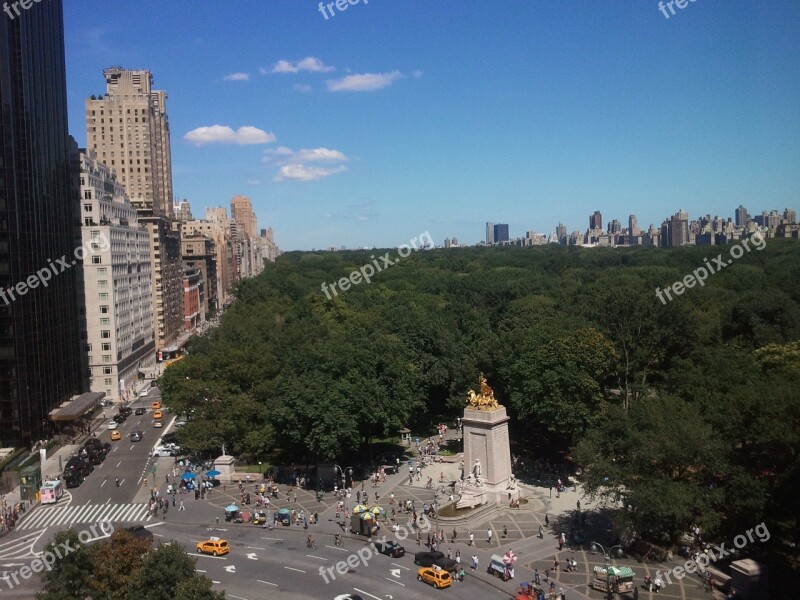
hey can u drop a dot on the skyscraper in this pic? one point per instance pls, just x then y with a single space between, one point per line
500 232
596 221
489 233
129 130
242 213
561 233
633 225
741 216
39 342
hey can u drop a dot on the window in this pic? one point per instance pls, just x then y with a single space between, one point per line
102 283
87 208
106 358
87 194
106 370
104 321
108 382
104 310
101 271
105 334
103 295
106 347
87 348
96 260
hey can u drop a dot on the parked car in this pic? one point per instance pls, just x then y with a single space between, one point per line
390 548
112 425
140 531
144 393
426 559
125 411
438 578
139 411
157 424
120 418
180 423
157 414
136 436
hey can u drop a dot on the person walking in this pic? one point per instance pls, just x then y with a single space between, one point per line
471 538
454 535
489 535
636 593
474 563
181 507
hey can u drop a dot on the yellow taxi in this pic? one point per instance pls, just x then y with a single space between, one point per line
438 578
116 435
213 546
156 405
157 414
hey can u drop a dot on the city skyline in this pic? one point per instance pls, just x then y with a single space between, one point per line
621 109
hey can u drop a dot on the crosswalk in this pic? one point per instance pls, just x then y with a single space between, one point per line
86 513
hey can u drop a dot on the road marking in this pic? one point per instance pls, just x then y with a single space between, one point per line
367 593
393 581
337 548
206 556
230 569
401 566
237 597
266 538
267 582
255 548
395 573
201 571
299 571
319 557
213 581
102 484
118 464
251 556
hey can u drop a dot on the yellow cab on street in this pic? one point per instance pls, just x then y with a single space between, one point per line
116 435
157 414
438 578
156 405
213 546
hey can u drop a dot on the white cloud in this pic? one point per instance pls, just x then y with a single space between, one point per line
365 82
309 63
253 182
237 77
319 155
222 134
299 172
302 88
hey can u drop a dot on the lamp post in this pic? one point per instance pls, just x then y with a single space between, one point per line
349 472
606 556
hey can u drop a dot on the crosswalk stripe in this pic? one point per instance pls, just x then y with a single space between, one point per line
85 513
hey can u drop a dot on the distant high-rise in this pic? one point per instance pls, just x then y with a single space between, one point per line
789 216
183 211
489 233
242 213
501 233
675 231
741 216
40 345
129 131
596 221
633 225
561 233
614 226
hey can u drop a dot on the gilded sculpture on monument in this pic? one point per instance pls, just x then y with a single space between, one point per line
485 399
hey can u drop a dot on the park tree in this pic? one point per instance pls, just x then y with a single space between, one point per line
114 561
70 574
162 572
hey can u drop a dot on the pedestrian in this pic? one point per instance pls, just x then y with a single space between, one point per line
449 553
489 535
547 520
461 575
418 538
636 593
471 538
454 535
579 504
458 558
182 507
474 564
541 532
505 531
537 579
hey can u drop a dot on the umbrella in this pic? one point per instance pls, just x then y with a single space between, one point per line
284 511
360 508
188 476
367 517
213 473
376 510
231 508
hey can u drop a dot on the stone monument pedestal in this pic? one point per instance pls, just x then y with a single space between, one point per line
487 458
225 465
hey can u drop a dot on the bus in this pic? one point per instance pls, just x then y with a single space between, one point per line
51 491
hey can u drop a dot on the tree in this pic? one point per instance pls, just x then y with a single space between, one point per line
114 563
197 588
162 572
70 575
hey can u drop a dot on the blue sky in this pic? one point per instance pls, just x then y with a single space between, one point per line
393 118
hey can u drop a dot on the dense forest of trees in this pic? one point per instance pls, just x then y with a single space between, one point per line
688 410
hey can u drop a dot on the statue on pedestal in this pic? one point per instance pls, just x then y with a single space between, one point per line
485 399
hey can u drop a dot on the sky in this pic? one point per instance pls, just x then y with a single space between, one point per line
369 126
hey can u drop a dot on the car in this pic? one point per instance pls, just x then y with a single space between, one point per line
93 442
438 578
116 436
75 481
112 425
157 424
160 451
156 405
140 531
125 411
169 437
349 597
157 414
213 546
136 436
426 559
144 393
139 411
120 418
390 548
180 423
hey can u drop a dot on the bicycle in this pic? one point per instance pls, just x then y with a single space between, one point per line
311 545
338 542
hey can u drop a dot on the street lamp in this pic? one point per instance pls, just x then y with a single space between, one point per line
606 556
342 471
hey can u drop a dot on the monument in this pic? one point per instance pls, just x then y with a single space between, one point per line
487 475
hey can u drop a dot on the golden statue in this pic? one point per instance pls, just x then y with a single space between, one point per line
484 400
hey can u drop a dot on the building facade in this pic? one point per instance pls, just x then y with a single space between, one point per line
128 128
117 328
39 339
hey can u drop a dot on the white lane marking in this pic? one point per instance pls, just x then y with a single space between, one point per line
237 597
367 593
337 548
201 571
255 548
276 539
102 484
267 582
118 464
393 581
319 557
401 566
299 571
208 556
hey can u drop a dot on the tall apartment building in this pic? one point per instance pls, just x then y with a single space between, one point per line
500 233
200 255
242 213
596 221
489 233
39 341
129 130
561 233
183 211
741 216
117 327
675 231
193 299
216 229
269 250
